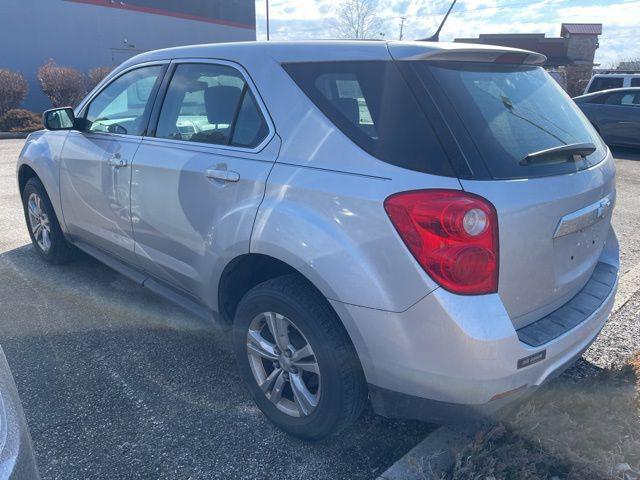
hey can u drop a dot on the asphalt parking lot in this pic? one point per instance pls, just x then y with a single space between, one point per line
117 383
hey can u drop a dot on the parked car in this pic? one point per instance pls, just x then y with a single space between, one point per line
609 80
615 114
426 225
17 461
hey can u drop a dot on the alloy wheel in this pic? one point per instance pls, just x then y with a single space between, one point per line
283 364
39 222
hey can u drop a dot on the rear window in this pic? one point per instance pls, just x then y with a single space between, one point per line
605 83
510 112
371 104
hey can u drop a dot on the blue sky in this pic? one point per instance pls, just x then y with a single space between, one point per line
307 19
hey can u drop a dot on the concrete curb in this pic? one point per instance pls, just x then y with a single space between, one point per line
628 285
435 455
13 135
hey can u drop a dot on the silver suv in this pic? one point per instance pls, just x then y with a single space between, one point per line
424 226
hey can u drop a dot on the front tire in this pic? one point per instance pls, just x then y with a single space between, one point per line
296 359
42 224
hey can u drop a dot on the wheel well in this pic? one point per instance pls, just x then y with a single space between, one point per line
24 174
244 273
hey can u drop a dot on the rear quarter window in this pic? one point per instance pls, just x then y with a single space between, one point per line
371 104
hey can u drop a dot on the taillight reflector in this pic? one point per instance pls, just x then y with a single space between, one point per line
452 234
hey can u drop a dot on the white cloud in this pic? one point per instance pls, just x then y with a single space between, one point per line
305 19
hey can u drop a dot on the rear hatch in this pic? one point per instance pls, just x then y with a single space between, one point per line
554 207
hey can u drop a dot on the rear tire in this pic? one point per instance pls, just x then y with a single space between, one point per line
335 396
42 224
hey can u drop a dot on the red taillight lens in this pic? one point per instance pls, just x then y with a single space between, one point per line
452 234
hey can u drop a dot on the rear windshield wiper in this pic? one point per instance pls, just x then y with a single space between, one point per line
574 151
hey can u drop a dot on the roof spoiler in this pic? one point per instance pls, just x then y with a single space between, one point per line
467 53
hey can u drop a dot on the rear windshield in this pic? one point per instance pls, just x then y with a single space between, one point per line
370 102
510 112
605 83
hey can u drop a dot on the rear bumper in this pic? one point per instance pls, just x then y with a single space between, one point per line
399 405
452 356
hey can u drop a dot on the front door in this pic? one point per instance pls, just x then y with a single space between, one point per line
198 181
95 170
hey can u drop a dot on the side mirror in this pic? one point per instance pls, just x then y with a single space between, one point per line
59 119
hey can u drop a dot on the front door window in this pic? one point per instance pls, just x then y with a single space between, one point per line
122 106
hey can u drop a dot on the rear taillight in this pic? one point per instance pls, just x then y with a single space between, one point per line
452 234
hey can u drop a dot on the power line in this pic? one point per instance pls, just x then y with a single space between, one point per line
496 7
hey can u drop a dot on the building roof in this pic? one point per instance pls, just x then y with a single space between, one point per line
581 29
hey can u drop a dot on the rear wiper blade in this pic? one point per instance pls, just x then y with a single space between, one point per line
574 152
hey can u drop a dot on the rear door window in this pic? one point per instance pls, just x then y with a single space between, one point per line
211 103
605 83
635 82
511 111
371 104
621 99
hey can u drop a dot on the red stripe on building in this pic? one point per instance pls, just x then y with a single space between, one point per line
166 13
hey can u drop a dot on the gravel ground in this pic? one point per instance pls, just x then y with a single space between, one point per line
626 218
619 339
117 383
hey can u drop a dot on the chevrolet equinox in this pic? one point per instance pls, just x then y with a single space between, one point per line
423 226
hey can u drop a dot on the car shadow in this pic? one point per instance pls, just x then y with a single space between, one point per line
118 383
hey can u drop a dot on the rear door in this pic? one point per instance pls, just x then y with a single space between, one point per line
620 114
200 175
95 170
553 212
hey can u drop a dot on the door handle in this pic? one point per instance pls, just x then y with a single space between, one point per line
117 161
224 175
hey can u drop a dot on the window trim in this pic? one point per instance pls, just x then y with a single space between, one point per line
82 109
250 85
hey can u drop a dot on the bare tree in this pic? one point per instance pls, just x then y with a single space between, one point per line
95 76
623 63
628 64
13 89
358 19
63 85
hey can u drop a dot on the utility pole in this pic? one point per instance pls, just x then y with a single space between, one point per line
402 20
267 20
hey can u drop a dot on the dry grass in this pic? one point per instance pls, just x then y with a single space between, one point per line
575 428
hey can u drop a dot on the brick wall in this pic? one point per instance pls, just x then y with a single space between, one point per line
577 78
581 49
